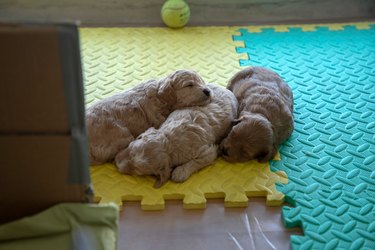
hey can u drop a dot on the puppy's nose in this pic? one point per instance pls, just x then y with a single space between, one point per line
206 92
225 151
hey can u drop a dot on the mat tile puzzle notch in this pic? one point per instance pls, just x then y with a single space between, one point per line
233 182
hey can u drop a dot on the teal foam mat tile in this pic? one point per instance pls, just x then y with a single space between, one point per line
330 157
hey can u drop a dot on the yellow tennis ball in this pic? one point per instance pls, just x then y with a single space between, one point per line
175 13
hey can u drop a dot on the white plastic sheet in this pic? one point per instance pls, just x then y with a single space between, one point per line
216 227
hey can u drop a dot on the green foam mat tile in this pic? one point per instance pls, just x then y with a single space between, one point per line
330 157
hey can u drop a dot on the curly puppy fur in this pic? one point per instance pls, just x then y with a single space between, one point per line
116 121
265 115
186 142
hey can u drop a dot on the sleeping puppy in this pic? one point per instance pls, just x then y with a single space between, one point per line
116 121
265 116
184 143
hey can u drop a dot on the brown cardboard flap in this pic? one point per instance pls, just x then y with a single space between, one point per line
34 175
31 85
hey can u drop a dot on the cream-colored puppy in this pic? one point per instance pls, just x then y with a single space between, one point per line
184 143
116 121
265 115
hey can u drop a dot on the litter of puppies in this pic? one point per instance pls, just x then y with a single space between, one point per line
172 127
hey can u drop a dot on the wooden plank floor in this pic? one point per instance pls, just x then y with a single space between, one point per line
209 12
216 227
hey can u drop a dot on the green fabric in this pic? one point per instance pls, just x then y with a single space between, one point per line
64 226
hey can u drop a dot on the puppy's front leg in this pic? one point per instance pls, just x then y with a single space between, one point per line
206 155
106 141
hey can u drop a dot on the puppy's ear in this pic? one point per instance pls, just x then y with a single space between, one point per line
265 156
243 74
236 121
163 171
166 91
162 178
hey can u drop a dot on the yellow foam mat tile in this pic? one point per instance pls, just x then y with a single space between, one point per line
115 59
233 182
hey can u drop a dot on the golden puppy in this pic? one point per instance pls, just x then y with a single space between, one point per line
265 115
184 143
116 121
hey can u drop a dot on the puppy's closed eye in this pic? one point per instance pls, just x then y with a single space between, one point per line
236 121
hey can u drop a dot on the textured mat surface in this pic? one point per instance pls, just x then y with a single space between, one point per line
234 183
330 157
115 59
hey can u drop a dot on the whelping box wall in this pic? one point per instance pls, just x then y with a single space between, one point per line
43 141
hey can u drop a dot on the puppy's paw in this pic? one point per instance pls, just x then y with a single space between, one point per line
180 174
121 165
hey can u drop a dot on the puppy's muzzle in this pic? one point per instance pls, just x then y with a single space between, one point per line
207 92
224 150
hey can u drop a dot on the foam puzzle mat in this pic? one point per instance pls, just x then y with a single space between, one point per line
115 59
329 161
119 58
330 157
234 183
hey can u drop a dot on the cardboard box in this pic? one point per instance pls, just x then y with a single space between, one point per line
35 175
41 80
43 142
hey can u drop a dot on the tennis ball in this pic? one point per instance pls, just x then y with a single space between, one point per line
175 13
